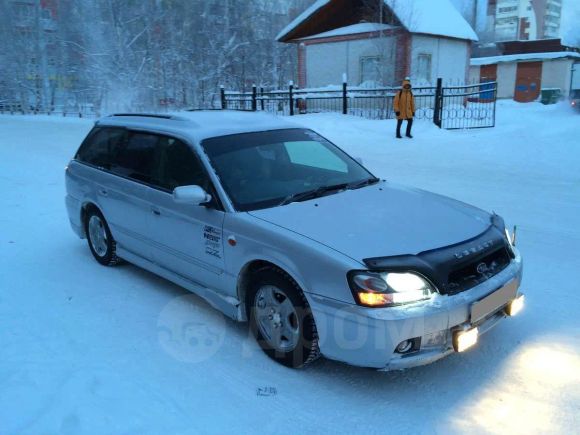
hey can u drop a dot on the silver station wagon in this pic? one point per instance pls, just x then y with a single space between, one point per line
274 225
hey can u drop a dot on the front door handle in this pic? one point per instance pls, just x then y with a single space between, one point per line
103 192
155 211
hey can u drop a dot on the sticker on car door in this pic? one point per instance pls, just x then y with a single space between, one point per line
212 238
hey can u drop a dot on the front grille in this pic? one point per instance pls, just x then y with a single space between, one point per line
476 272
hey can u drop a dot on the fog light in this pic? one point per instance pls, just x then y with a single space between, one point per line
463 340
408 346
405 346
515 306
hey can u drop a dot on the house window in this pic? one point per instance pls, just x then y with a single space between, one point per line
423 72
370 70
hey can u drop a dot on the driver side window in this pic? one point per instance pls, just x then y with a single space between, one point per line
179 166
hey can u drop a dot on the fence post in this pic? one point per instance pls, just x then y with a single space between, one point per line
223 97
438 103
254 98
262 98
291 97
344 99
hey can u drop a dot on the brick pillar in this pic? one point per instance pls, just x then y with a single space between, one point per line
301 65
468 62
402 56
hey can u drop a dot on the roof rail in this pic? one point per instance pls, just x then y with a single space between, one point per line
145 115
204 110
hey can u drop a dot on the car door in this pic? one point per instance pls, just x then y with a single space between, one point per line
115 195
187 238
126 195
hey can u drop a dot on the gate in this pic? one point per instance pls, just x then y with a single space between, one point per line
469 106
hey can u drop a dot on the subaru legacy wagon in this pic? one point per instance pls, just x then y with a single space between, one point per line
273 224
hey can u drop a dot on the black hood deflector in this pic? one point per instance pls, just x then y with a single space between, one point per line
455 268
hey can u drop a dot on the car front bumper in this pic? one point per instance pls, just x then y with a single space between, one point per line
368 337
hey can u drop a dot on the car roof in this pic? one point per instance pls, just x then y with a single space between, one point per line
199 125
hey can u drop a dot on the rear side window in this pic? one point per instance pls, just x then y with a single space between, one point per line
136 159
101 145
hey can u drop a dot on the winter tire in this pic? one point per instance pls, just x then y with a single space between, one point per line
281 319
101 242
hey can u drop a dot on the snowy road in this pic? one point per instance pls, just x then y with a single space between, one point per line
91 350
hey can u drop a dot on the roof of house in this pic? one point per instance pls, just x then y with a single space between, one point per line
524 57
430 17
353 29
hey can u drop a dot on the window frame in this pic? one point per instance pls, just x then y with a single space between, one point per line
216 201
429 69
379 61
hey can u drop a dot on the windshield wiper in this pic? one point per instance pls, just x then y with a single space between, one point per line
363 183
314 193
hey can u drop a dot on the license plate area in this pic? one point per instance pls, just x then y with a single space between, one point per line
494 301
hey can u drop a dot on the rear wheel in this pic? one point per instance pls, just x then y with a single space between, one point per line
101 242
281 319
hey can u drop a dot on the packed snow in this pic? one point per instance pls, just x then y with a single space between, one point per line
86 349
439 18
524 56
353 29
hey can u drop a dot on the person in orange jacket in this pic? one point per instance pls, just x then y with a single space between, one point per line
404 106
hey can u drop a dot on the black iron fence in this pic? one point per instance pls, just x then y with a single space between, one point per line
450 107
11 108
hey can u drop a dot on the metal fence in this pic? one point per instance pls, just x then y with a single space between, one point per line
450 107
10 108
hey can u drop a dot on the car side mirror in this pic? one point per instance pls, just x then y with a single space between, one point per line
194 195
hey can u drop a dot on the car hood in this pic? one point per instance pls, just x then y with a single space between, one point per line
381 220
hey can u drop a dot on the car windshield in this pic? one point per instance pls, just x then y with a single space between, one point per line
272 168
575 94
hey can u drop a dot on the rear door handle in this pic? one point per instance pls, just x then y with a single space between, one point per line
155 211
103 192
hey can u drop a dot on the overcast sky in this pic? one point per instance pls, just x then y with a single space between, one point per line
571 22
570 27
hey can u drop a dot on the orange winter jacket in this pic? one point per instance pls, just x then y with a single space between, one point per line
404 102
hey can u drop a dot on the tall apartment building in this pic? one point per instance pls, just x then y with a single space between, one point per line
526 19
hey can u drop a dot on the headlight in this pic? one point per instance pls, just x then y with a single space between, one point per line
499 223
383 289
511 237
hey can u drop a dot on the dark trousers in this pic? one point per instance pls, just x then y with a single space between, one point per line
409 126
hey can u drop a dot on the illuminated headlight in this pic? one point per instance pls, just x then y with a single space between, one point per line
463 340
383 289
511 238
515 306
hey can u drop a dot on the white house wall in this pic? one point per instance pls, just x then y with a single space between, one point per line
576 77
506 80
557 74
449 57
326 62
474 74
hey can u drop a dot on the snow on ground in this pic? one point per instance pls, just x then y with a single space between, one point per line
91 350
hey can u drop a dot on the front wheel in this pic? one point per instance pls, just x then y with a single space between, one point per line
281 319
101 242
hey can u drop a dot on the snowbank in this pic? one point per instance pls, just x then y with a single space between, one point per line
93 350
